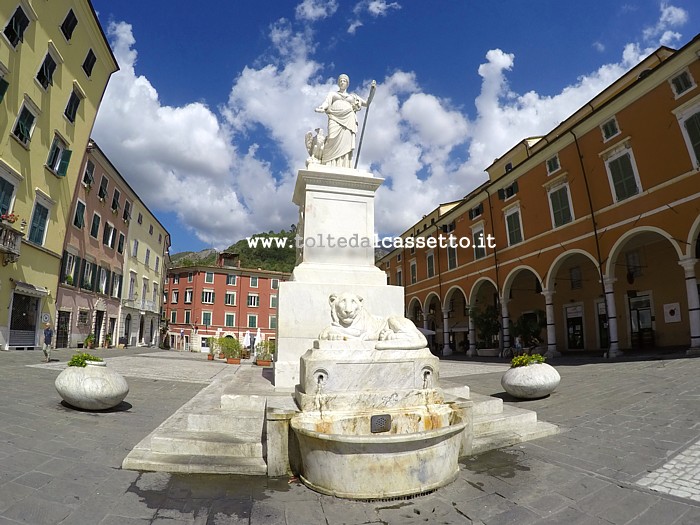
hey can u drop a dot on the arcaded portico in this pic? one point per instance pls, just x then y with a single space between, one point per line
596 227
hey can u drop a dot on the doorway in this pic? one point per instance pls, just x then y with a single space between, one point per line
23 320
99 319
62 329
641 322
141 328
574 327
127 331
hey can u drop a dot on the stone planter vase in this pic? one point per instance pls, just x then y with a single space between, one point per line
488 352
94 387
531 381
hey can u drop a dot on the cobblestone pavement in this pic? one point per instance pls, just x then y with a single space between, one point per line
679 477
621 423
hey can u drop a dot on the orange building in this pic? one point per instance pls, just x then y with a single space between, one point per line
591 230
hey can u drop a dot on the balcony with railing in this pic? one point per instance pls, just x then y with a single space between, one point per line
10 242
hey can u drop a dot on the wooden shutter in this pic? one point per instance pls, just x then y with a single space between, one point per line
65 160
4 84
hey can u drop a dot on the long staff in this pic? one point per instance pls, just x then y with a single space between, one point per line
372 89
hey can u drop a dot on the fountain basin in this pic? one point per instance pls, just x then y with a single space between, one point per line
340 456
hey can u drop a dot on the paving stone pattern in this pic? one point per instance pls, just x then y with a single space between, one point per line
622 422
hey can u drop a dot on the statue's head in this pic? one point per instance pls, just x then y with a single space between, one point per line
344 79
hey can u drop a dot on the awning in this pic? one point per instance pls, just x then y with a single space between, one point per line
30 289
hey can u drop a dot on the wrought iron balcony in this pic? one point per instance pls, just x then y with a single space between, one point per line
10 242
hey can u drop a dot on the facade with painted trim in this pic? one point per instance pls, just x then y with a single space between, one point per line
223 300
55 63
595 227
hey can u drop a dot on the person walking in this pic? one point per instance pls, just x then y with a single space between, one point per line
48 338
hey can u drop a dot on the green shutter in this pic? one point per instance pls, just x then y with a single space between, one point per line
65 159
692 125
95 272
38 226
4 84
61 277
82 273
212 297
6 191
76 271
107 282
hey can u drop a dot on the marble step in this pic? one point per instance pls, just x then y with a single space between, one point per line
486 404
219 444
217 420
495 440
157 462
511 419
248 402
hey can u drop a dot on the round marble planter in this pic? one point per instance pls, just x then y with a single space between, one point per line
94 387
531 381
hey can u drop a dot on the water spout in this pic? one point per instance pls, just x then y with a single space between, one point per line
318 400
427 379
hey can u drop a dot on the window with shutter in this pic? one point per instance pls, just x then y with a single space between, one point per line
7 190
46 71
69 24
15 28
38 224
89 62
4 84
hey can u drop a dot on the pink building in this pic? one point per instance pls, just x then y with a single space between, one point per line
90 282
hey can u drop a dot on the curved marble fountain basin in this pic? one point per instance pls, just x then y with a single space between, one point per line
341 457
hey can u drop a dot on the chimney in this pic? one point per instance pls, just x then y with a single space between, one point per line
229 260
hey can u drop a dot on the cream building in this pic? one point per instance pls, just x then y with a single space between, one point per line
143 275
55 63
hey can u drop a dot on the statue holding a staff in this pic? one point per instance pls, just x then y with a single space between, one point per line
338 146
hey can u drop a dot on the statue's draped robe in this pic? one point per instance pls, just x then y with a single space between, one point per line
342 125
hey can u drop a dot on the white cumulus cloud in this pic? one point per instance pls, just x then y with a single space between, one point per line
230 171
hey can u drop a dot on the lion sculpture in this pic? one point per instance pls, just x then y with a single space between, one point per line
352 321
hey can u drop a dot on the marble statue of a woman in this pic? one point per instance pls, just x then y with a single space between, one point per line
341 108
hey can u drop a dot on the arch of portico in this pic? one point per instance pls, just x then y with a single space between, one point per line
455 321
651 292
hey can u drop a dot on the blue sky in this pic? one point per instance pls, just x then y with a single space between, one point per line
207 115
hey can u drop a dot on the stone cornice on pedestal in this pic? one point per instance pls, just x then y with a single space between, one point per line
323 177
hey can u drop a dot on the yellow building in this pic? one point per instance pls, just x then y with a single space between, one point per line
55 63
586 238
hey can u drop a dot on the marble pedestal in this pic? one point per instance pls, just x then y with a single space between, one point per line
336 222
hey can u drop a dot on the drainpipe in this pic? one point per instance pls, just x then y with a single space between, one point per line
595 234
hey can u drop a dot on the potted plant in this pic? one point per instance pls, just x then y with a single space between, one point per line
108 340
90 341
88 384
265 353
231 349
210 355
529 377
529 328
69 280
488 327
